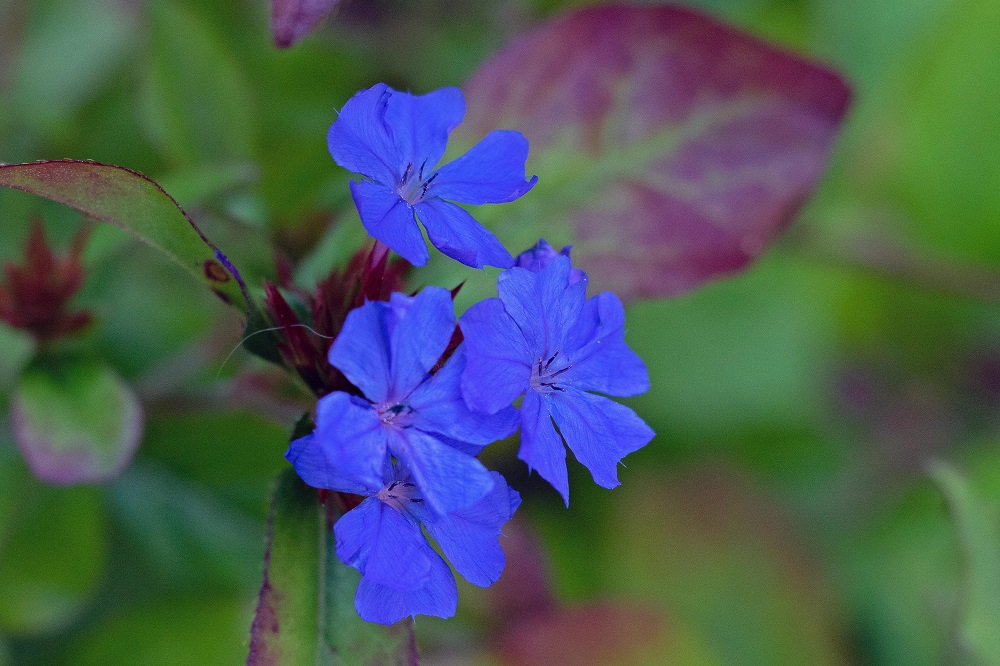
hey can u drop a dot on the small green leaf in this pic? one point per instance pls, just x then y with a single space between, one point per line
305 612
75 421
133 202
977 521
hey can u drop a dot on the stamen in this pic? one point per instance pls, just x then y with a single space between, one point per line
560 371
406 174
422 165
427 182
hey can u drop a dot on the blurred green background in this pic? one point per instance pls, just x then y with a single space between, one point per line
783 514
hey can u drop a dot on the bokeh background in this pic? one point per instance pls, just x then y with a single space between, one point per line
782 515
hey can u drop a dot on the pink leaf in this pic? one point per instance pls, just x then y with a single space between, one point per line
670 149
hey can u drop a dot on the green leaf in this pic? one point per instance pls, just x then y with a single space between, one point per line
977 521
197 102
202 629
135 203
189 536
71 49
75 421
900 580
942 133
305 613
52 553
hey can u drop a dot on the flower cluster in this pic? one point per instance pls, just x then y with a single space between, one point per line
425 398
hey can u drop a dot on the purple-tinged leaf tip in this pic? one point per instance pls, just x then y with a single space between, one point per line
291 20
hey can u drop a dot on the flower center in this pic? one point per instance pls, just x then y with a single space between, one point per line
396 415
413 186
544 376
399 492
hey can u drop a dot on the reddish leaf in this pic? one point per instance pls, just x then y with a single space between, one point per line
35 294
670 149
291 20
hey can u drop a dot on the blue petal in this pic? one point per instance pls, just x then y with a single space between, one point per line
468 448
388 218
388 605
443 412
497 359
421 329
469 537
457 234
384 545
353 439
539 256
361 350
359 140
491 172
541 446
599 431
544 305
448 479
420 125
604 362
314 466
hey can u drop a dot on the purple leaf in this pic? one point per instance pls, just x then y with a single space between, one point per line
670 149
291 20
135 203
75 422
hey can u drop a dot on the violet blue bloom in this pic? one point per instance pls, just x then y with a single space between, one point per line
387 350
396 140
401 575
544 340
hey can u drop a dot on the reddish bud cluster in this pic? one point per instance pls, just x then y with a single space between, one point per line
35 295
368 277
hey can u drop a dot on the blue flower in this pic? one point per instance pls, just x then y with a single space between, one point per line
396 140
387 350
543 339
401 574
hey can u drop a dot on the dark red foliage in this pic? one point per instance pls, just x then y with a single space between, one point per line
35 295
369 276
